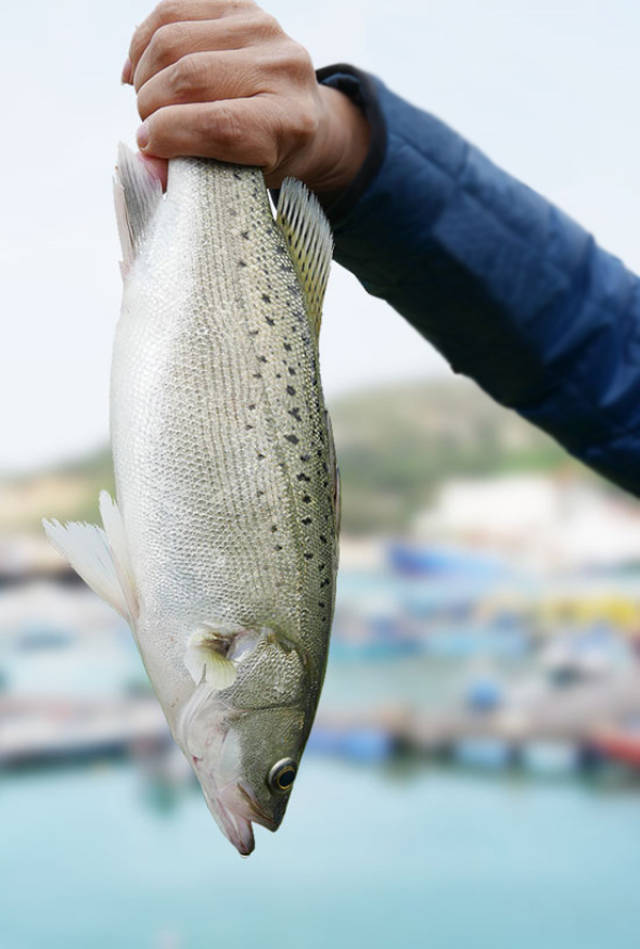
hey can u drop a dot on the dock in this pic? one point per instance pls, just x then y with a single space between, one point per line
35 731
53 729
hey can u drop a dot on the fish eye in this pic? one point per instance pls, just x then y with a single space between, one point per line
282 775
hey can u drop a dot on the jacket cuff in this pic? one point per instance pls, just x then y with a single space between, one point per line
360 88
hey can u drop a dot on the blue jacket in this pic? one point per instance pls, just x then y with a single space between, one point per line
511 291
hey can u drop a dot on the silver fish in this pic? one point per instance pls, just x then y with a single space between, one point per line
221 551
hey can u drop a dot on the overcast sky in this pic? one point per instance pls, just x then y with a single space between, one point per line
548 89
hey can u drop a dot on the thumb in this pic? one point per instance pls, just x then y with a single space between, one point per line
158 167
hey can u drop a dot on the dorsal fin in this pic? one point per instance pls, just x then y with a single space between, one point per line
310 243
137 194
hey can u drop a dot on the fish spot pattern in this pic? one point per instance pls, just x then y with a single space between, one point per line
278 399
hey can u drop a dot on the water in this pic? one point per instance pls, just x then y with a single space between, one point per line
365 858
100 857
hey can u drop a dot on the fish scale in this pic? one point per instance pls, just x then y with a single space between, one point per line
224 539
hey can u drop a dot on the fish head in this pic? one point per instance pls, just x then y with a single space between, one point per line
245 742
251 777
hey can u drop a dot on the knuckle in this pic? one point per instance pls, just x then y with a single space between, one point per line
301 59
273 147
188 75
307 123
168 11
295 61
264 24
137 45
270 157
163 45
302 126
235 9
224 126
265 155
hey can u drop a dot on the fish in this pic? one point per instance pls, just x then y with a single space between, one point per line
221 548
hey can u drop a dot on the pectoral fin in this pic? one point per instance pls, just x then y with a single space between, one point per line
308 236
206 660
211 671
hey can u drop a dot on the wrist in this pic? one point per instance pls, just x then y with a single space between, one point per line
341 145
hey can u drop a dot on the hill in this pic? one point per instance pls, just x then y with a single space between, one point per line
395 445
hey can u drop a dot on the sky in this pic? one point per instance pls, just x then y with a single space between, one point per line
549 90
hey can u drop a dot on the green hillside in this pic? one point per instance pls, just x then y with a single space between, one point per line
395 445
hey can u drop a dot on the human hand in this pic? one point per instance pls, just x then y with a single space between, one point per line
220 79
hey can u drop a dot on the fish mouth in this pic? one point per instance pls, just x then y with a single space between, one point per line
234 809
236 828
257 813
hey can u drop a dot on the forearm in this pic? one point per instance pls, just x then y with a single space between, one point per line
510 290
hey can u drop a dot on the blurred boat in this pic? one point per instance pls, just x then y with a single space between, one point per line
550 759
374 628
483 753
483 695
583 654
372 649
469 639
425 560
364 744
620 744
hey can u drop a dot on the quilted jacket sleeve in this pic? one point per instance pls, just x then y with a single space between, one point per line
511 291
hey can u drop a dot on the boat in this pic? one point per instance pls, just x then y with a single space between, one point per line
550 758
620 744
487 754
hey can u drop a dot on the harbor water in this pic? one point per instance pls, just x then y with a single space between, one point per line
381 845
367 857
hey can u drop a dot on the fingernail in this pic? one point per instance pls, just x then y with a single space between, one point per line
142 136
126 71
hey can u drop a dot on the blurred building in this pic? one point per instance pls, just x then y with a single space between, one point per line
546 521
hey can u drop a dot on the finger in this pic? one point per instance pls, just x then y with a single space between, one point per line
201 77
239 131
176 11
171 42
